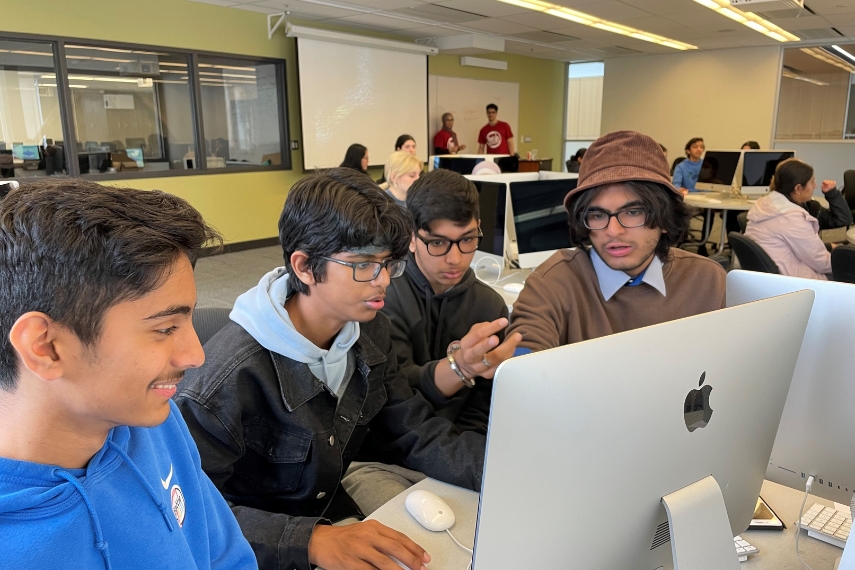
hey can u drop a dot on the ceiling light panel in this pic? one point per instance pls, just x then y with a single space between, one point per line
749 19
593 21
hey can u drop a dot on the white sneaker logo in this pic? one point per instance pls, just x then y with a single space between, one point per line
168 478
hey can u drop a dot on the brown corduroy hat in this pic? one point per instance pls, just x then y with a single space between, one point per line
622 156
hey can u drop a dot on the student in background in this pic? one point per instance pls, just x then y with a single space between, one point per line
97 467
406 143
686 172
784 229
402 169
445 141
576 160
750 145
356 158
496 136
625 219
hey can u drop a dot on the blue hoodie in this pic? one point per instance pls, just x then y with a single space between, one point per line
142 502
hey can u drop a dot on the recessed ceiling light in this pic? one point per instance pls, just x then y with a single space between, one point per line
593 21
749 19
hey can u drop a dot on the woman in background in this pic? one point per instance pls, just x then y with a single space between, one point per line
575 161
356 158
406 143
750 145
784 229
402 169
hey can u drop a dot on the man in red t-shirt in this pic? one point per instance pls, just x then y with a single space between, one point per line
496 137
445 141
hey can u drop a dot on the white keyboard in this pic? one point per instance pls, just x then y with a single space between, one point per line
743 548
827 524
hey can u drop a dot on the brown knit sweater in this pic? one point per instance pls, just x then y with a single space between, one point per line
562 303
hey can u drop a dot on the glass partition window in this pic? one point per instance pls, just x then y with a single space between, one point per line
816 99
30 120
131 109
240 113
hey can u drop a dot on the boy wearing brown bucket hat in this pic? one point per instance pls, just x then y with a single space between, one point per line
625 273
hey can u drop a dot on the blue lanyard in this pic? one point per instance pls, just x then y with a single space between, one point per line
635 281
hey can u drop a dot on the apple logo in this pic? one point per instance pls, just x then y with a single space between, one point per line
696 410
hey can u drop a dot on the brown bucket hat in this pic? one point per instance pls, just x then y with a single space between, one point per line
622 156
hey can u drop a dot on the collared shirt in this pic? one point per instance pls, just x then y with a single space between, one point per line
611 280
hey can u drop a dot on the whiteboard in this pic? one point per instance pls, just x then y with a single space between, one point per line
351 94
467 100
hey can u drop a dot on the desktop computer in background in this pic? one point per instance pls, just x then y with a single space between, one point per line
758 168
586 441
719 170
539 218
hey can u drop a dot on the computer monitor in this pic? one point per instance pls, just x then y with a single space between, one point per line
758 168
492 198
461 165
816 432
585 439
135 154
18 151
29 152
718 169
539 217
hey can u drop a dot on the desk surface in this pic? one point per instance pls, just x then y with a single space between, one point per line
715 201
777 548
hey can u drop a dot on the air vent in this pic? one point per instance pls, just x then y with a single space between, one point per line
818 33
782 14
545 37
661 536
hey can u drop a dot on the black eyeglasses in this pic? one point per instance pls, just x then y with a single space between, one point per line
438 247
364 271
628 218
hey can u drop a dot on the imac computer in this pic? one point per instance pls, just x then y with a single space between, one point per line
136 154
30 152
718 171
460 165
492 198
540 220
18 151
611 429
817 431
758 168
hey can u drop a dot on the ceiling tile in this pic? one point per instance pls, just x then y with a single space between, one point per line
547 37
298 8
429 32
523 48
217 2
388 4
665 7
379 22
489 8
499 26
440 14
830 7
258 8
538 20
802 23
615 11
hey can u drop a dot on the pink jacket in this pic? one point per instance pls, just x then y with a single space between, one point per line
790 236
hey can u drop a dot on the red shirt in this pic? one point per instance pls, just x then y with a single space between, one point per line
496 137
442 141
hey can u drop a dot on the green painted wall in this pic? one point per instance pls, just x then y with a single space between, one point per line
246 206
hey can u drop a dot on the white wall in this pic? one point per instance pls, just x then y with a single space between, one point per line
724 96
830 159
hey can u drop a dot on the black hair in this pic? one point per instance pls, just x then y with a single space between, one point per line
665 210
493 106
691 142
442 195
753 145
789 174
353 157
339 210
580 153
402 140
72 249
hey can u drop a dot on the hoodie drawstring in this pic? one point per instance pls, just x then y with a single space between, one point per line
100 544
439 322
168 516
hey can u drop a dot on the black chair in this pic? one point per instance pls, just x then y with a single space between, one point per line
742 218
207 321
843 263
750 255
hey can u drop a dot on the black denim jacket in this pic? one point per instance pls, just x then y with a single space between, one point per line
276 445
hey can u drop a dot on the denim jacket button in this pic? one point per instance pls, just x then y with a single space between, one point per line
321 495
332 440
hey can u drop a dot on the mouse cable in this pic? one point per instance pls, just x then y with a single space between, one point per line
469 550
808 485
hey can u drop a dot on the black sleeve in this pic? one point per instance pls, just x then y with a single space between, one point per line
838 215
279 541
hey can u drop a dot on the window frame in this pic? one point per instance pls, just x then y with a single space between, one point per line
69 131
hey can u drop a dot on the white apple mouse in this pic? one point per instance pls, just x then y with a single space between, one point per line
429 510
513 287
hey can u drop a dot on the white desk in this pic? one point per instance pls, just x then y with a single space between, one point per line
777 548
715 201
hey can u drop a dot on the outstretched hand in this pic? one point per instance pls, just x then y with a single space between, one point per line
364 546
481 346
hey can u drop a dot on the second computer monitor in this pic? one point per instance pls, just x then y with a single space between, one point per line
718 170
758 168
540 218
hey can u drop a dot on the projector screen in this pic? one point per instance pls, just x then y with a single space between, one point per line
352 94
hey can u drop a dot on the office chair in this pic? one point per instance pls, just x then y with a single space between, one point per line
742 218
207 321
751 256
509 163
843 263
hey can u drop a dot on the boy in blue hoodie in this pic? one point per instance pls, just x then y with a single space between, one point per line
291 386
97 468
